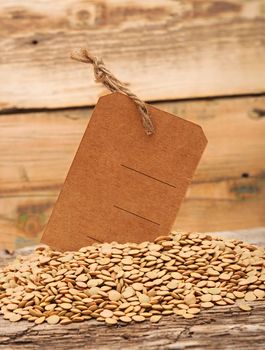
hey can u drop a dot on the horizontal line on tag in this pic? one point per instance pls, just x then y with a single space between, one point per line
151 177
139 216
94 239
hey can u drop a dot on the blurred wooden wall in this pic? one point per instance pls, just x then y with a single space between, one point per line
202 60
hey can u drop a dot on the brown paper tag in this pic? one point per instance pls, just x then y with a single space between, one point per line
123 185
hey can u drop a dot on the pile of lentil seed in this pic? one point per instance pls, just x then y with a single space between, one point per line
178 274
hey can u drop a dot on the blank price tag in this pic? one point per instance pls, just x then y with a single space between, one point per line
123 185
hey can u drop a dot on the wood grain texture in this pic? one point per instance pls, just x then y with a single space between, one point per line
162 49
221 328
225 328
227 192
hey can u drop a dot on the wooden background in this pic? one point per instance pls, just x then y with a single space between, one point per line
202 60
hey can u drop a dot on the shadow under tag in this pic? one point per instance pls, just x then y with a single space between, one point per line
123 185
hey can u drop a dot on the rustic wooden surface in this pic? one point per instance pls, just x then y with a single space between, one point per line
224 328
227 192
163 49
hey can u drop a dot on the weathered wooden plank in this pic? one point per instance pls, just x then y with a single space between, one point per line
24 214
37 148
227 192
255 235
162 49
223 327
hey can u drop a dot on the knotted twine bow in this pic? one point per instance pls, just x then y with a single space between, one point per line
104 76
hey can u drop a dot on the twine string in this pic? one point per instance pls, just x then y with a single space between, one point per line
104 76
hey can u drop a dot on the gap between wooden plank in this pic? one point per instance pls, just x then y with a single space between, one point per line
191 99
